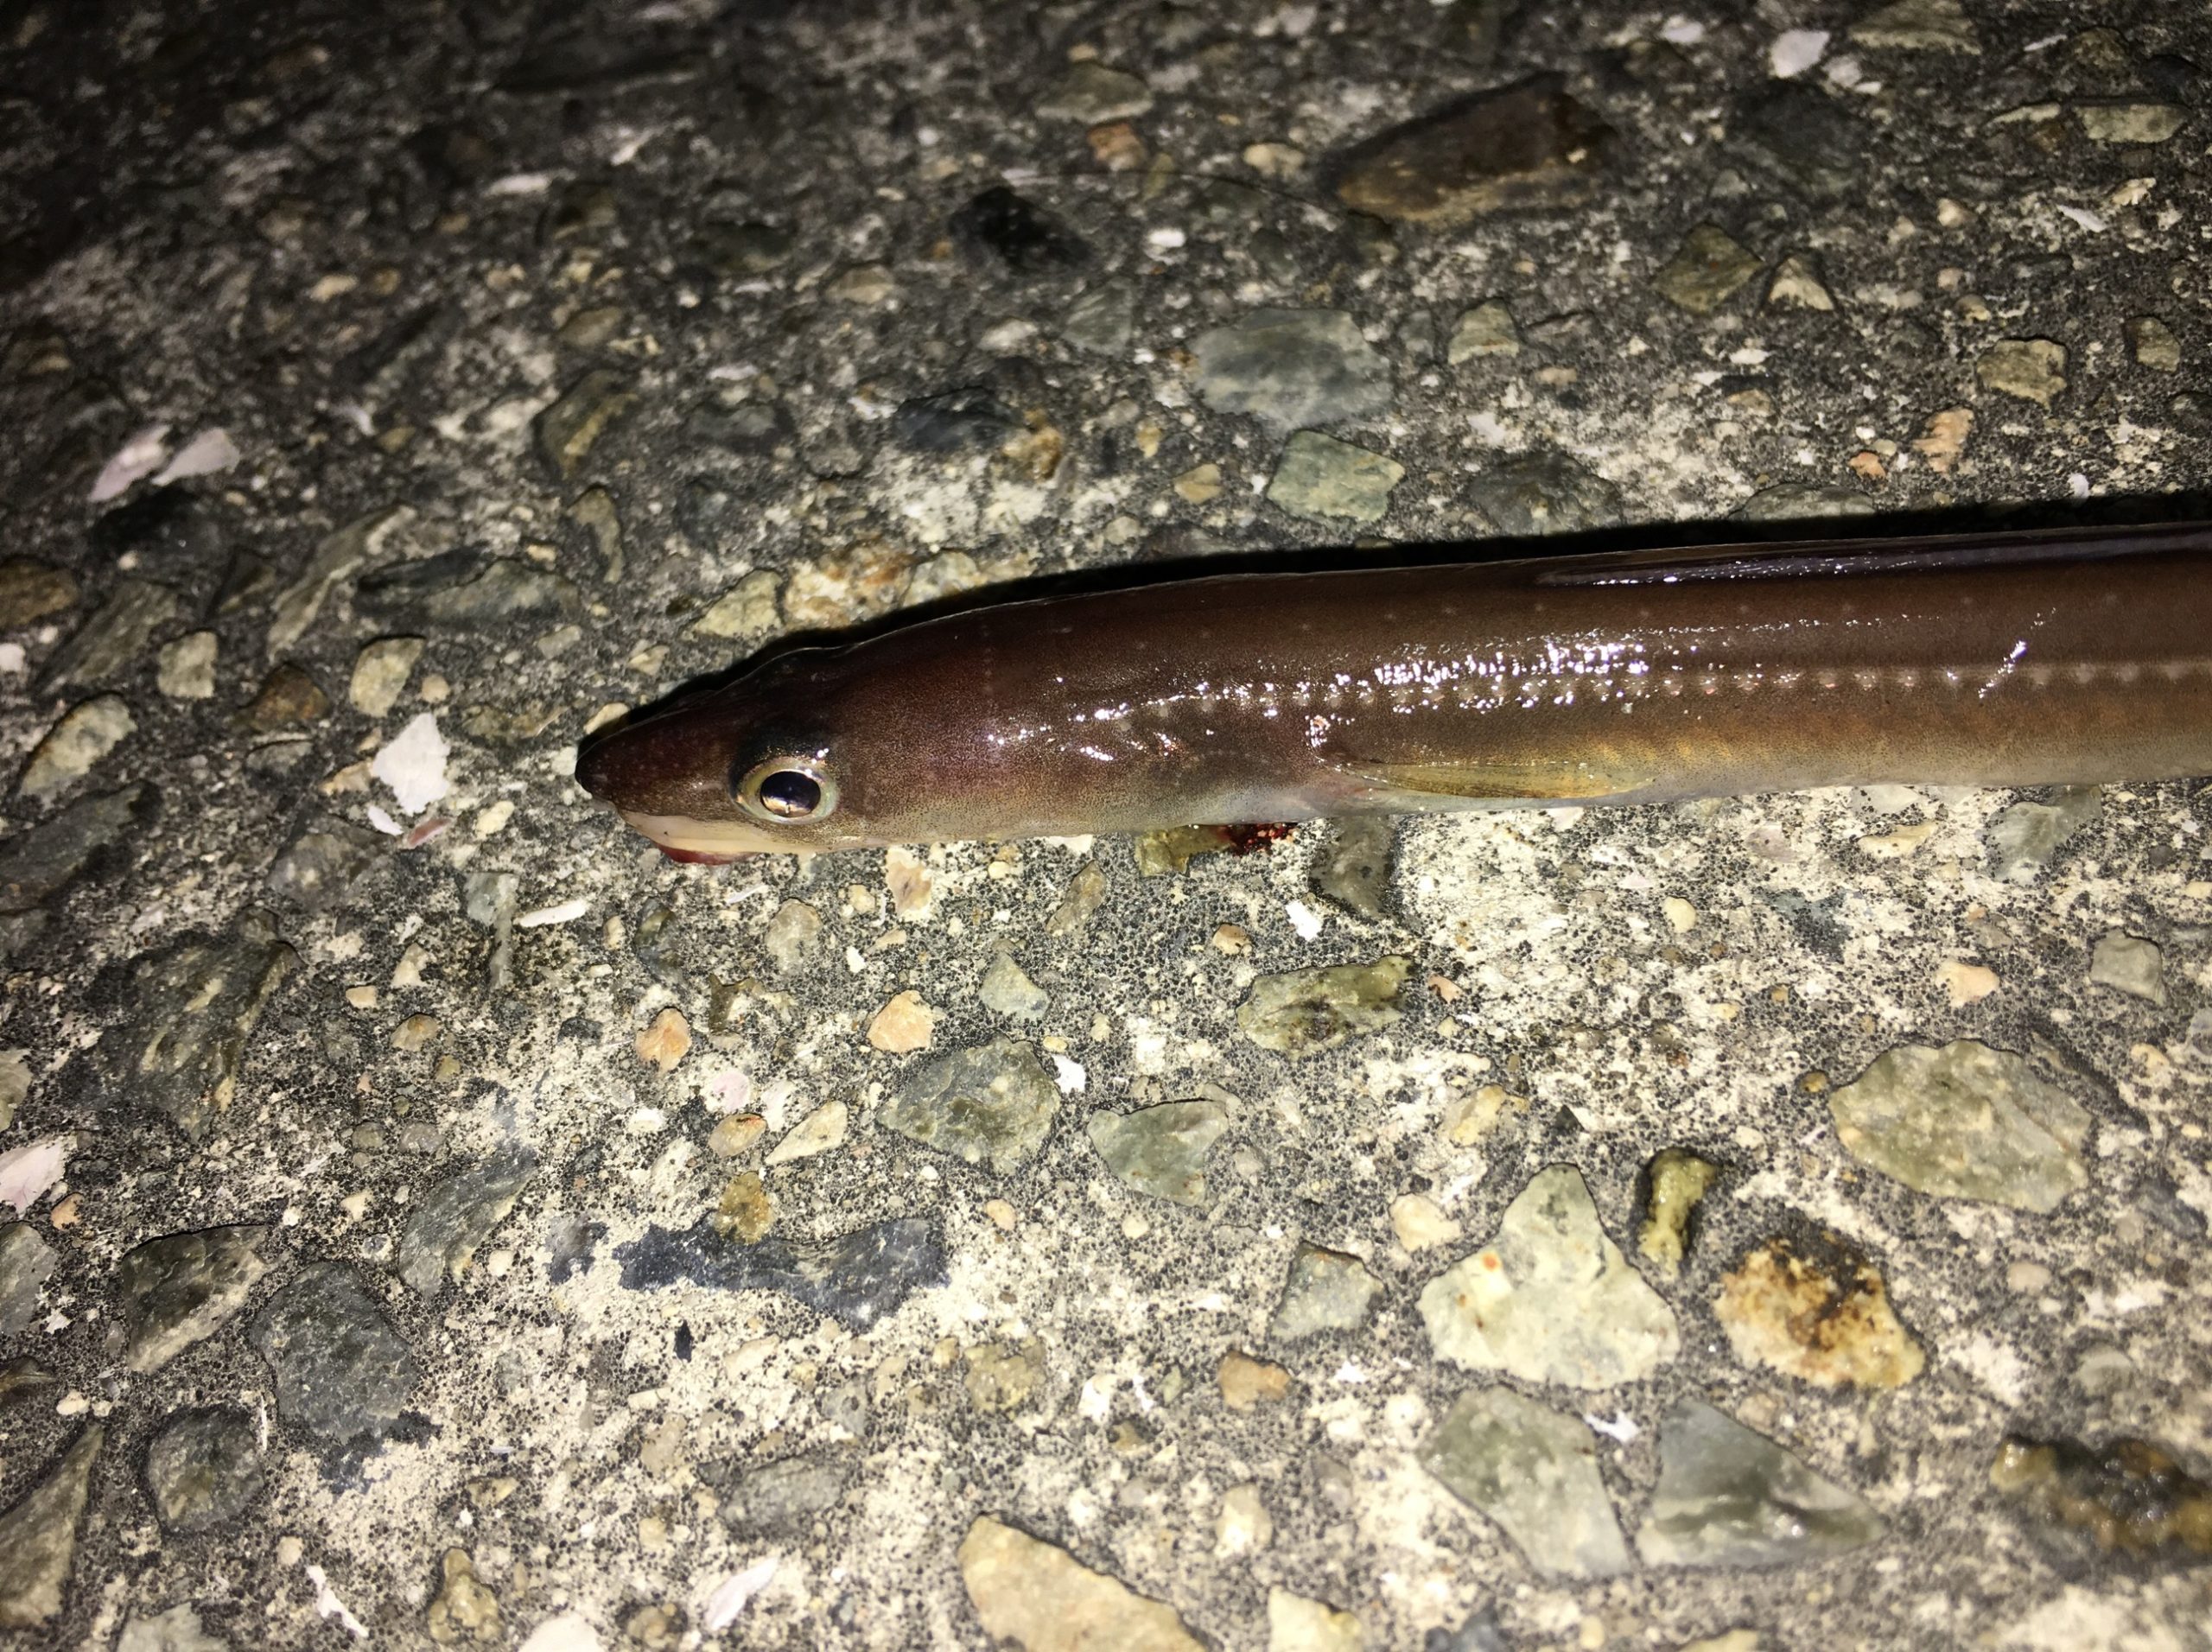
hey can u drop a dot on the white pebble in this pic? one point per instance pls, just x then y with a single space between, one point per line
1795 51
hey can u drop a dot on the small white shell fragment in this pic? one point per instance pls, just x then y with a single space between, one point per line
414 763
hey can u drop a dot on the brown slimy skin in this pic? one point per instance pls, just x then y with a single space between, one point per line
2005 660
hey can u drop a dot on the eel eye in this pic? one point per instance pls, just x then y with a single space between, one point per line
787 790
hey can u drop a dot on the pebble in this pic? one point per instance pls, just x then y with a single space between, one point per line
1305 1012
791 935
2034 369
1002 225
115 638
1356 864
664 1042
1085 893
27 1261
457 1215
1161 1150
85 733
1545 492
736 1135
1296 1623
1043 1600
1092 93
746 1211
738 250
2027 836
1486 330
341 1372
1918 26
30 591
177 1629
183 1289
1818 1313
1292 368
1534 1473
14 1083
970 419
1550 1298
380 672
1727 1496
903 1025
337 557
1001 1376
1797 285
856 1278
568 429
1324 1290
2124 122
1709 269
991 1104
864 286
1102 321
1527 145
204 1468
1242 1525
1672 1191
463 1609
194 1009
2153 344
185 669
2129 1496
288 697
818 1132
1246 1382
746 612
38 1536
1420 1224
38 864
1802 502
1007 991
2129 964
1318 478
786 1495
1964 1121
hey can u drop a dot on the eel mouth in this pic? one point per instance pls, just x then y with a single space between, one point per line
704 842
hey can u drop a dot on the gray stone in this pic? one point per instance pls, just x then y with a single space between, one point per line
336 557
181 1289
1305 1012
1324 1290
1709 269
1527 145
194 1008
185 668
1485 330
342 1372
1086 893
1803 502
204 1468
115 638
493 899
2129 964
38 1536
1550 1298
177 1629
747 611
1729 1497
1805 138
1797 285
1291 368
1103 319
737 250
1545 492
1964 1121
2152 344
568 430
1008 991
991 1104
85 733
27 1261
857 1277
1161 1150
791 936
1534 1472
38 864
1354 867
459 1214
318 868
1320 478
785 1495
2026 837
1918 26
2123 121
1092 93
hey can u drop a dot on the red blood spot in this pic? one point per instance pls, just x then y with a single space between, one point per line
1248 840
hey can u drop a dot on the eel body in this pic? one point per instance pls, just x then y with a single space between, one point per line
1614 678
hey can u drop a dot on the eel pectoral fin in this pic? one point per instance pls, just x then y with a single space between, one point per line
1493 779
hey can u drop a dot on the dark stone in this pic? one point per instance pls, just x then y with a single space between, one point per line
27 1261
736 250
459 1214
38 1536
959 419
170 525
181 1289
2127 1494
30 591
288 697
858 1277
710 512
784 1495
117 637
568 430
1023 236
1545 492
465 589
194 1006
1478 1633
41 862
1528 145
318 870
342 1372
24 1378
1804 138
204 1469
570 1242
1353 869
747 429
